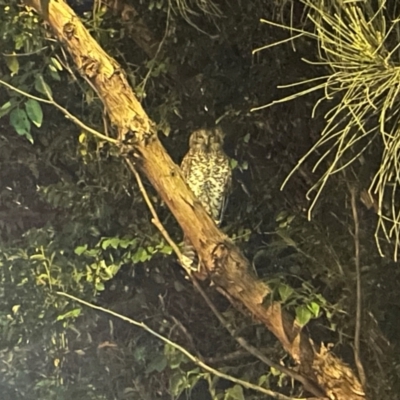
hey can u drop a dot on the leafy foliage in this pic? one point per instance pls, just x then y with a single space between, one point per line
360 50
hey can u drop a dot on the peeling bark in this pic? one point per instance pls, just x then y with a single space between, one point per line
227 267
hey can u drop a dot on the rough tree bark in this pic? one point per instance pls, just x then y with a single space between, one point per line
226 265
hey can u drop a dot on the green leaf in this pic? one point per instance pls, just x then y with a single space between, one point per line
234 393
285 291
39 256
113 242
303 315
56 63
20 122
233 163
167 250
5 108
157 364
314 308
16 308
175 357
141 255
112 270
12 64
275 372
125 243
34 111
80 249
263 379
321 299
281 216
139 353
92 253
194 375
70 314
54 73
177 383
41 86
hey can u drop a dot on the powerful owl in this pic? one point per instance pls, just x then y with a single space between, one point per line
207 171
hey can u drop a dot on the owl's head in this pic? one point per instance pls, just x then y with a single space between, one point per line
216 140
199 140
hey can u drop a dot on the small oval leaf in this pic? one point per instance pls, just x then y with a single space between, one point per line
5 108
12 64
303 315
234 393
42 87
314 308
34 111
20 122
285 291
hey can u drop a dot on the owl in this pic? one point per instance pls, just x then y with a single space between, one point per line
207 171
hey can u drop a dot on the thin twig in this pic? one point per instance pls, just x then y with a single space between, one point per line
234 356
25 54
357 359
176 346
70 116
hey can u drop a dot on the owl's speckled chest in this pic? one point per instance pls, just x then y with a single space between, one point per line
196 172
